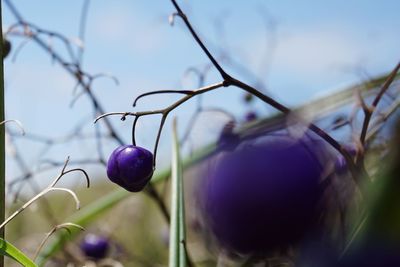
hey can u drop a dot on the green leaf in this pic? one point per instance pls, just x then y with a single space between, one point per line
177 252
8 250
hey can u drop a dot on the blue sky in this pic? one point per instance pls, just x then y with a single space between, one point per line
311 49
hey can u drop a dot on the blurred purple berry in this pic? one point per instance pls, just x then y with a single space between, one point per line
228 139
250 116
131 167
263 194
95 247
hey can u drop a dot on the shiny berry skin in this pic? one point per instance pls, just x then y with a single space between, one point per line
263 195
131 167
94 246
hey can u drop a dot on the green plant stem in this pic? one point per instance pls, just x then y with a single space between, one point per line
2 140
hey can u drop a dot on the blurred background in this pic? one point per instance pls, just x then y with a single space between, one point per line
295 52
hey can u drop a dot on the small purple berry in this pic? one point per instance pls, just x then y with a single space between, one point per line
131 167
94 246
228 139
250 116
264 193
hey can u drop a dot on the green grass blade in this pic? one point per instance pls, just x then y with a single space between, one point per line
2 140
177 255
8 250
181 202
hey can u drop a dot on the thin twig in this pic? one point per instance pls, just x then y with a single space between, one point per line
229 80
369 111
164 112
198 40
52 231
49 188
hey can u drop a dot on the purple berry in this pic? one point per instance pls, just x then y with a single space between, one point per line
131 167
263 194
94 246
250 116
228 139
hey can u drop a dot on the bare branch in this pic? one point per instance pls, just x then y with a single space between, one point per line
229 80
368 112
